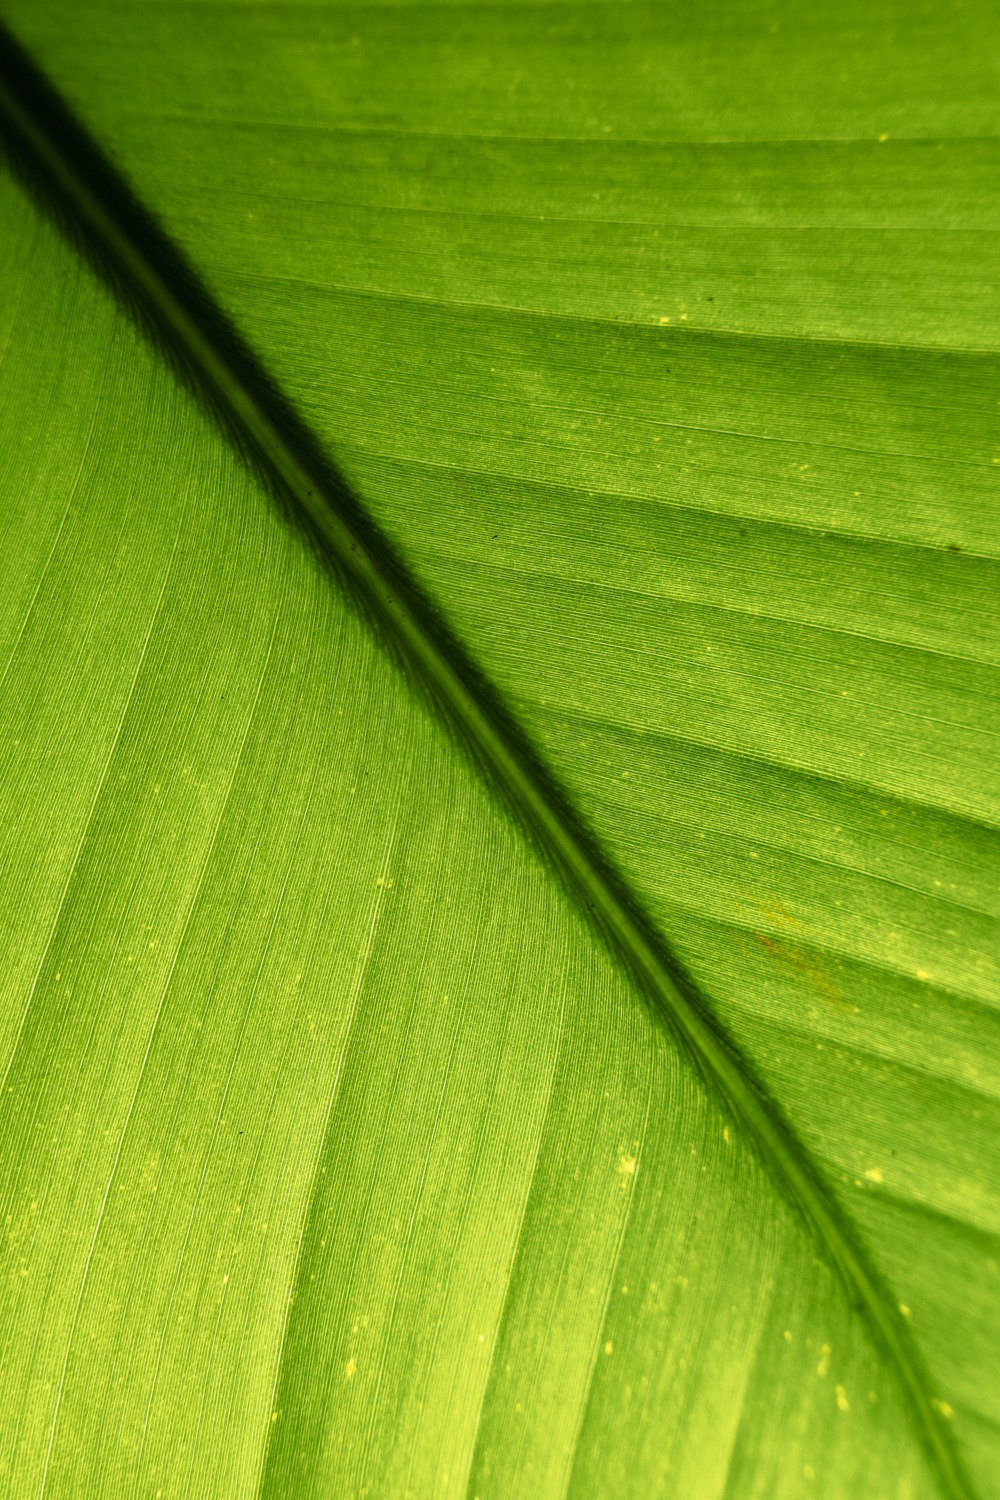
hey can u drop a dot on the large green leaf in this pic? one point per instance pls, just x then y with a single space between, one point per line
361 1133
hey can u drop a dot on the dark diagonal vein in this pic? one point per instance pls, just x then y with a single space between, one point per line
60 164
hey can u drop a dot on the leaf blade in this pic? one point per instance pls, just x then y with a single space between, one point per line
794 957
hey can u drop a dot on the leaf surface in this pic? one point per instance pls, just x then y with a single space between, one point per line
661 346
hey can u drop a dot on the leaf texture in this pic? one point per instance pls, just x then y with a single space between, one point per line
677 394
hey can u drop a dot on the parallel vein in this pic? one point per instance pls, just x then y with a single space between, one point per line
52 152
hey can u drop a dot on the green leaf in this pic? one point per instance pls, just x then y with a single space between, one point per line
502 998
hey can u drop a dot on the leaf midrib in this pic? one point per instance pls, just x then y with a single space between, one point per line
60 164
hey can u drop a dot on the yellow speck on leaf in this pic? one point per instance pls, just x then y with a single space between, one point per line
628 1165
788 1335
873 1174
942 1406
904 1309
725 1134
824 1362
778 913
350 1368
609 1347
842 1401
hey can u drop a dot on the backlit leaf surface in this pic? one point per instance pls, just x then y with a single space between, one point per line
341 1155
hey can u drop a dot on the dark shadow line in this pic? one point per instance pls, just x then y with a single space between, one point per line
68 174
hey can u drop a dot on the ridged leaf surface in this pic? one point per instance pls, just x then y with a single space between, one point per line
343 1152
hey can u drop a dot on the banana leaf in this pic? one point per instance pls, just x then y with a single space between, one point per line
499 641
